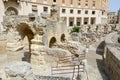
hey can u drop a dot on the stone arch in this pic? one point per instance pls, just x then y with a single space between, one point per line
62 38
52 41
11 11
25 31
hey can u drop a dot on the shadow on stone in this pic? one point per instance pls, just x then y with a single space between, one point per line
102 70
100 48
26 55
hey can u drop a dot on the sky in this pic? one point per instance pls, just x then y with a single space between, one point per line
114 5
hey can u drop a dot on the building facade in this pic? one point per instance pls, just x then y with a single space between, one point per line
112 18
118 17
75 12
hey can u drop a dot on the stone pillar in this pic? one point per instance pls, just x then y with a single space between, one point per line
2 8
37 50
82 20
75 20
89 20
67 21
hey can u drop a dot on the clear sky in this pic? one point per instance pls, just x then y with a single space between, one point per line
114 5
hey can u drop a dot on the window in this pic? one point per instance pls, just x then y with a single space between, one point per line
78 23
45 9
86 12
63 10
86 4
54 0
93 4
79 2
71 2
86 0
34 9
71 11
63 1
71 23
79 11
93 12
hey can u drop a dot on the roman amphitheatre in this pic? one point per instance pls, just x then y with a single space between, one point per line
42 48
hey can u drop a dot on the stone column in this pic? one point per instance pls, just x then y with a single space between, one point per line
82 20
89 20
75 20
67 21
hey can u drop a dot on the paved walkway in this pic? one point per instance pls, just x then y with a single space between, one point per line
96 69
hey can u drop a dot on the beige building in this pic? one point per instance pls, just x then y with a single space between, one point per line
75 12
118 17
112 18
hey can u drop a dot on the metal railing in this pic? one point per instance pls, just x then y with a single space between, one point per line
64 67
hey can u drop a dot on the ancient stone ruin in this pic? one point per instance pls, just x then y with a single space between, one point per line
47 45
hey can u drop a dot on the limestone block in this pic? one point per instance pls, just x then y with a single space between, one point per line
35 53
11 45
38 48
38 39
18 68
33 57
57 52
34 41
19 48
43 53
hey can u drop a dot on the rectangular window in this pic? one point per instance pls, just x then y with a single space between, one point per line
63 1
93 4
63 10
86 4
54 0
86 12
86 0
34 9
79 2
45 9
71 11
71 2
78 23
93 12
79 11
71 23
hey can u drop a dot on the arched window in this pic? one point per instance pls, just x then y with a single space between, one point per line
11 11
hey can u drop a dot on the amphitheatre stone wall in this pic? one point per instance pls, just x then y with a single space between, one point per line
112 55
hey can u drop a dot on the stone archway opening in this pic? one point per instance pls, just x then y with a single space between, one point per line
52 42
11 11
63 38
25 32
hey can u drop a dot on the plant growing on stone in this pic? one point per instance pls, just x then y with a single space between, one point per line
75 29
